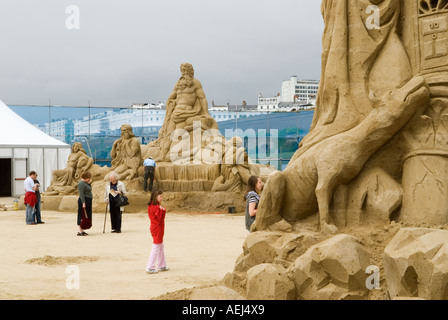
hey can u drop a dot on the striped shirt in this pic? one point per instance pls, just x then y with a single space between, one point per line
251 197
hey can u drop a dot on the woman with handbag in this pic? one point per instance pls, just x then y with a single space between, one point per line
114 190
84 202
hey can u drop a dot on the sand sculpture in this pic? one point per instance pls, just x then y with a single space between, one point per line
373 95
65 181
186 105
239 170
126 155
373 168
192 157
190 152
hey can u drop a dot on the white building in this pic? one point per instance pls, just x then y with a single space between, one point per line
268 104
299 90
113 120
295 93
159 106
102 123
214 107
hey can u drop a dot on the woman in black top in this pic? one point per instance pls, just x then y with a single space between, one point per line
85 199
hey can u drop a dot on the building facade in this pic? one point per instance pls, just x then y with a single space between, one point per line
295 95
110 122
268 104
299 90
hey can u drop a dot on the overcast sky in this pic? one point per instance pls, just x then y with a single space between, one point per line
130 51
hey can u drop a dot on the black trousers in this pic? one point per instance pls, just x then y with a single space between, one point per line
88 209
149 174
115 215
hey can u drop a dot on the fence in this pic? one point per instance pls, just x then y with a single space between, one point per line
98 127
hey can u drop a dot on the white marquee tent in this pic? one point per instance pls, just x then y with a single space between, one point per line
23 148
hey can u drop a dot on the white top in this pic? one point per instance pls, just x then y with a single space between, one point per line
120 187
29 184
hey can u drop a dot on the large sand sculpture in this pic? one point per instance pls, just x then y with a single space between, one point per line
361 211
190 152
198 168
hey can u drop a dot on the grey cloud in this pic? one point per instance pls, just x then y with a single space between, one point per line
130 51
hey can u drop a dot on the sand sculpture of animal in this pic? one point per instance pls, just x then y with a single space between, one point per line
307 184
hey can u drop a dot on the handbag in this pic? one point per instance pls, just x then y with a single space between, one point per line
86 223
121 201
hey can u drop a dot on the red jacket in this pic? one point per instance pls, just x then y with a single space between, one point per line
30 199
157 217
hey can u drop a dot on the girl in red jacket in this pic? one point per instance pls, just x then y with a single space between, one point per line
157 214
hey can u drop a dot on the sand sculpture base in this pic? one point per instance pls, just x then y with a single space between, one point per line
391 260
187 188
197 177
184 178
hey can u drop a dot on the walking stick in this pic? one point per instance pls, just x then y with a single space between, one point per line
105 215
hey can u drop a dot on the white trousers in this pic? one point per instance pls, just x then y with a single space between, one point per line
157 256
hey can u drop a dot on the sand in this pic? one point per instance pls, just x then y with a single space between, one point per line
36 261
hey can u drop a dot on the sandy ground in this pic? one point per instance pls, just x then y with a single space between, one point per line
42 261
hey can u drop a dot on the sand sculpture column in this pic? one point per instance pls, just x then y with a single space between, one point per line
425 167
368 94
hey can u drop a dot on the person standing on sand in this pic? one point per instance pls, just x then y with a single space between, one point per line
30 197
252 197
85 199
37 215
113 189
156 215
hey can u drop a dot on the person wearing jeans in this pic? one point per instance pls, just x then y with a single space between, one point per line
30 197
37 215
150 170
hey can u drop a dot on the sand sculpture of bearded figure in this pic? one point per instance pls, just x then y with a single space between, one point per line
190 146
186 106
366 97
126 155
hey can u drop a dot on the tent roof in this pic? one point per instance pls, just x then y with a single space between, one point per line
16 131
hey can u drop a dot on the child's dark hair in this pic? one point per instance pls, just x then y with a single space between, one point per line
86 175
251 183
154 194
